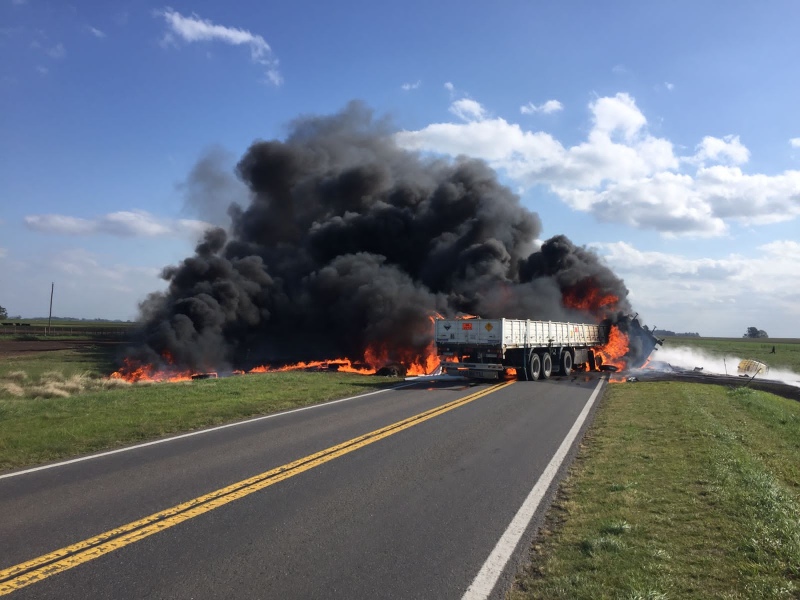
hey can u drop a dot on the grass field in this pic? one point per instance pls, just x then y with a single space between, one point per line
37 329
77 411
680 491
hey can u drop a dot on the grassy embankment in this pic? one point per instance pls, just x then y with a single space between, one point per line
74 410
680 491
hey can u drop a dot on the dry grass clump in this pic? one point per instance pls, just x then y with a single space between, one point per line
52 377
54 384
48 390
111 384
13 389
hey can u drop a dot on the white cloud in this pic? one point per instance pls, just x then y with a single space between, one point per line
122 224
42 70
60 224
669 86
449 86
546 108
621 172
619 70
194 29
468 110
728 149
732 292
58 51
795 142
617 115
411 86
96 32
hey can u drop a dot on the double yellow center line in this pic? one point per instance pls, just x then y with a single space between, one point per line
24 574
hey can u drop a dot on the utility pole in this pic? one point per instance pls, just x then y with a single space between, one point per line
50 316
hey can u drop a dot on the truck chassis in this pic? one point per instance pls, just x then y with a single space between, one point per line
490 348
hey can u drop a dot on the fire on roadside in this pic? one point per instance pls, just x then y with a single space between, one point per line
375 359
135 373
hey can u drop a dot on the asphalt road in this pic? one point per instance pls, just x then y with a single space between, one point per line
414 514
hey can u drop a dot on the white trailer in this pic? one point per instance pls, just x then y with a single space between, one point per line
488 348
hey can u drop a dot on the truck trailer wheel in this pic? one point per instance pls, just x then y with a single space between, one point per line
534 367
566 362
547 365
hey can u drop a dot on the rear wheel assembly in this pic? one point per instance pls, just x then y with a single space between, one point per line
547 365
534 367
566 362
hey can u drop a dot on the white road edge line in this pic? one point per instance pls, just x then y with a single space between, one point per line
487 577
200 432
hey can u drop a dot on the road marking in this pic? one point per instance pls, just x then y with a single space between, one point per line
200 432
487 577
24 574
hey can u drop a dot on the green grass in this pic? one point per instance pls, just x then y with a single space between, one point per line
680 491
95 359
93 418
787 351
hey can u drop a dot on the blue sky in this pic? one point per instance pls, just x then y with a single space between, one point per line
663 135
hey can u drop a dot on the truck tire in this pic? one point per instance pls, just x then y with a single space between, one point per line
566 362
534 367
591 365
547 365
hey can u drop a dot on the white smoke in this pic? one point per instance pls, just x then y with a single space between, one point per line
691 358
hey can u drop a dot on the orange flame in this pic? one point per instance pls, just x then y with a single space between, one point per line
588 298
133 373
343 365
613 353
375 357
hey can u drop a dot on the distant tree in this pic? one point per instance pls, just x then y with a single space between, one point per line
755 332
3 313
669 333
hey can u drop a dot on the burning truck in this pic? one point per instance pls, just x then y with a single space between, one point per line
340 246
497 348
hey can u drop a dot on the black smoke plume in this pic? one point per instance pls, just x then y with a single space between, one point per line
350 242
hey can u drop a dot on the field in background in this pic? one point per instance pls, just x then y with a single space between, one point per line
786 356
32 329
99 414
680 490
